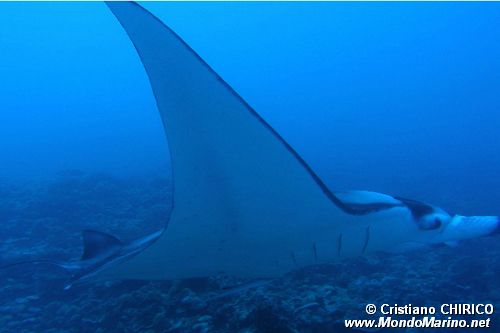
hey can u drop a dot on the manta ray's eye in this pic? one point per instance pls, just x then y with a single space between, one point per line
430 222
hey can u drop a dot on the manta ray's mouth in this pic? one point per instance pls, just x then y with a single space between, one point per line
463 227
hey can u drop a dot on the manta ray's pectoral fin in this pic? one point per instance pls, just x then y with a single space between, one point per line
243 198
245 203
98 244
366 202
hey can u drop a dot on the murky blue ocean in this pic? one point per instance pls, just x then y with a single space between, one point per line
396 98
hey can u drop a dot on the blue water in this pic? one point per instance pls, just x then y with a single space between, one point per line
398 98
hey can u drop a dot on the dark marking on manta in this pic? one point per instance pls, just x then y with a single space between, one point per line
418 209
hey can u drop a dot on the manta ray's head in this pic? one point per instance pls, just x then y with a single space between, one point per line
451 228
438 226
462 227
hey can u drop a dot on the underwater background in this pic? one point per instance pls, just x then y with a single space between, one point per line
398 98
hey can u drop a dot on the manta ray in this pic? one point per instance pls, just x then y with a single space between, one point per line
245 203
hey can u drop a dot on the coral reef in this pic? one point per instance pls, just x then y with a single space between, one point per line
44 220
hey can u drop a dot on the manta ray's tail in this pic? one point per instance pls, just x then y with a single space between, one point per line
68 266
95 244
